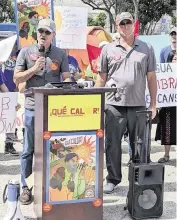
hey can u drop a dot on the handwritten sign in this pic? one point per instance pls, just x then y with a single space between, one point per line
166 85
20 113
71 25
8 102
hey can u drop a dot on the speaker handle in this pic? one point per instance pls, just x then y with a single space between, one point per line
148 137
146 143
135 150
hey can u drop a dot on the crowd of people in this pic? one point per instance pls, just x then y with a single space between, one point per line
126 64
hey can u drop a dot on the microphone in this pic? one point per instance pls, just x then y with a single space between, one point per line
41 54
41 51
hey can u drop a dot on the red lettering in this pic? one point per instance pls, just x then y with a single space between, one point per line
77 111
59 111
64 110
54 112
18 122
95 110
72 111
172 81
81 111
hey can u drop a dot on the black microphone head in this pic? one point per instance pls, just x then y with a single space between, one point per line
41 50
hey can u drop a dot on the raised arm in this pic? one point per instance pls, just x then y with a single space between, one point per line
21 73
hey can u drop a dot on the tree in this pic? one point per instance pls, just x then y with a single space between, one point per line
174 22
100 20
151 11
148 11
6 11
110 7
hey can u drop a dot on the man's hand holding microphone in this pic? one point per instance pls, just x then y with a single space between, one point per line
40 62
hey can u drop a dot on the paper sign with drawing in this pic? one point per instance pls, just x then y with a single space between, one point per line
21 111
72 167
8 103
71 25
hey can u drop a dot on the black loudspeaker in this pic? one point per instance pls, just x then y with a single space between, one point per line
146 189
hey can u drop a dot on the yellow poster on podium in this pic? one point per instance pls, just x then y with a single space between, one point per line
74 112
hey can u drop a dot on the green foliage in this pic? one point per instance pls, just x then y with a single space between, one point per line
149 11
6 11
152 10
100 20
174 21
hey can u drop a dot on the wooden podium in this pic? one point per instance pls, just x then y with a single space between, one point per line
69 148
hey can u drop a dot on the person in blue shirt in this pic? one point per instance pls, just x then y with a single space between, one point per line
8 70
9 148
3 87
6 73
171 48
74 69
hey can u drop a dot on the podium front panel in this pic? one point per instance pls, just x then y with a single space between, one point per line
73 148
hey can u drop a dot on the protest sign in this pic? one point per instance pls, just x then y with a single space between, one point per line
71 25
20 113
166 85
8 102
28 15
6 47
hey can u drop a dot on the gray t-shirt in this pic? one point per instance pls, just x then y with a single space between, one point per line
56 63
127 71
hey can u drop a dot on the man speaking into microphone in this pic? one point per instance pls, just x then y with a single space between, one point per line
36 66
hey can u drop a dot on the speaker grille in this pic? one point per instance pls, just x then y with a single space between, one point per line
147 199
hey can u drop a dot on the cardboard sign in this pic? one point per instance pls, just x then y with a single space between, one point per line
8 102
166 85
71 25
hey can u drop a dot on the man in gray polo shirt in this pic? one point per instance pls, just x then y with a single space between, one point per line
125 64
36 66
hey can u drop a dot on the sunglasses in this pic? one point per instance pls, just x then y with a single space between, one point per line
41 31
173 34
126 22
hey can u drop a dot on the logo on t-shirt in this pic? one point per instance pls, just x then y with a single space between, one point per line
54 65
117 57
33 57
